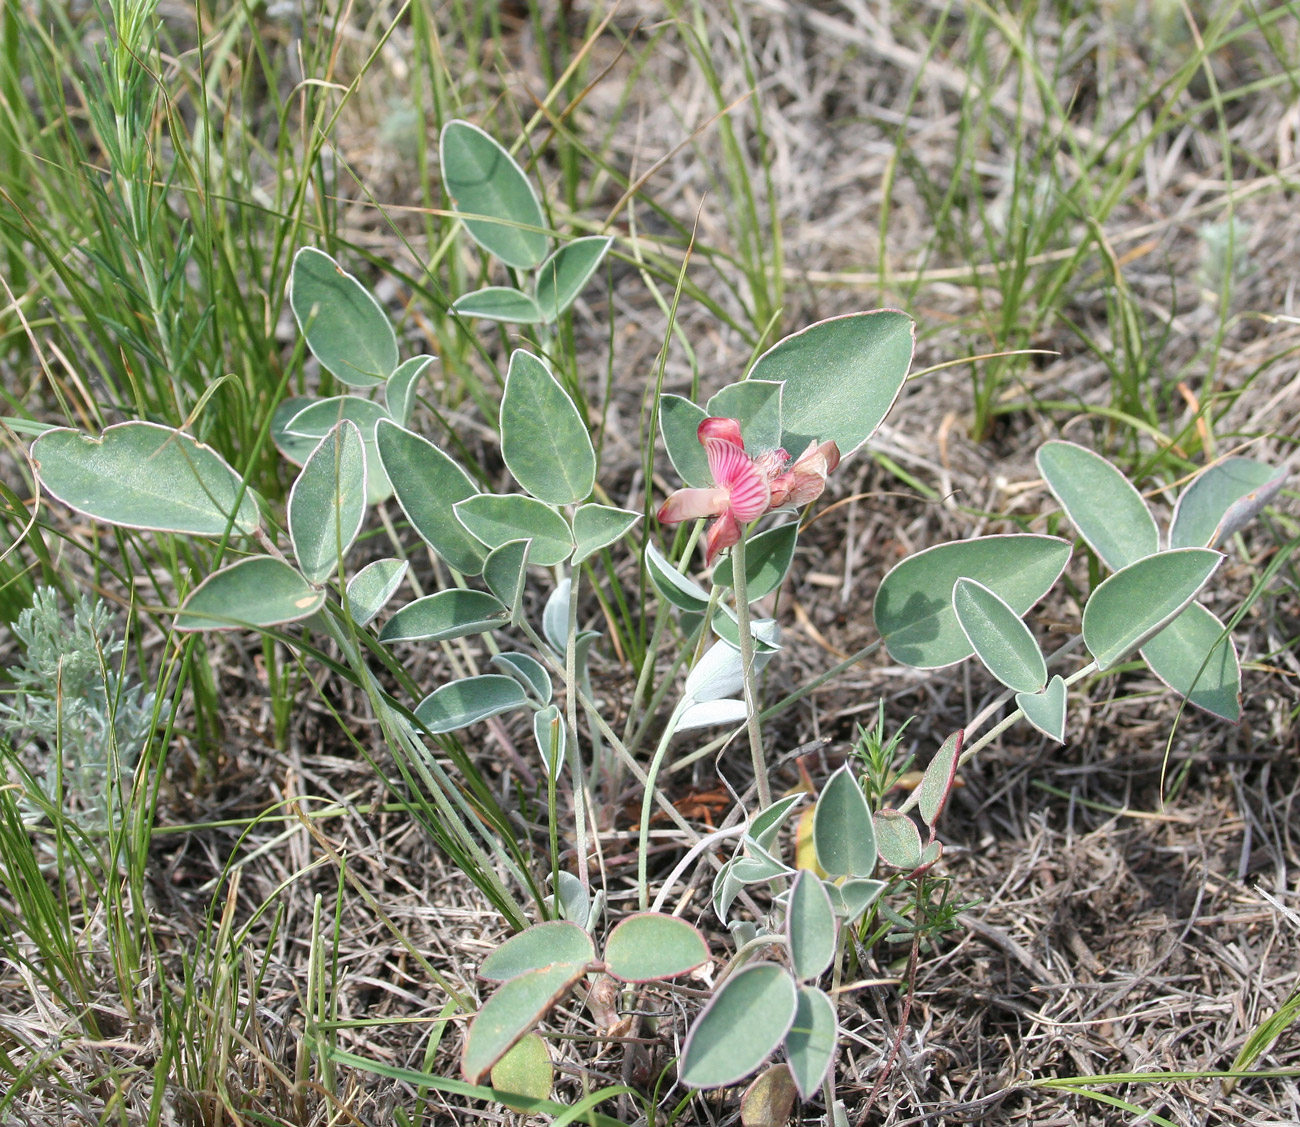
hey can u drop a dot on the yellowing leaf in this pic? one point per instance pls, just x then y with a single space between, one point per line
805 855
526 1070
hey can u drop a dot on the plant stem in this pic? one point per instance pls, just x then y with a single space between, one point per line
759 761
821 679
695 850
652 650
1003 725
610 735
691 651
647 796
574 756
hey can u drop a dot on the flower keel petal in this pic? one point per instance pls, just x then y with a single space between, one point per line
722 534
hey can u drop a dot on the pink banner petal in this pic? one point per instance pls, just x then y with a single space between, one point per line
728 430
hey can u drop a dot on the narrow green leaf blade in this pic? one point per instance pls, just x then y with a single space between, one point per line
497 519
596 527
652 947
371 588
1138 601
1046 710
499 303
544 439
913 608
347 330
809 927
1102 504
747 1017
255 592
841 377
1222 499
428 484
563 276
484 181
469 700
1195 657
142 475
999 638
843 834
448 614
512 1011
328 502
813 1038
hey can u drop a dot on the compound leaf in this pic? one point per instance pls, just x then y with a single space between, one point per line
913 608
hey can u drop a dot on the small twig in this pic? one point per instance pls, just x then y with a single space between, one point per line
897 1046
740 586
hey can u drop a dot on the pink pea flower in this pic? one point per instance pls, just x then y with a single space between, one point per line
745 488
739 492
